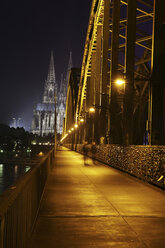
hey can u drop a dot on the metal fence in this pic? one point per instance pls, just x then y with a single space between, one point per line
141 161
20 203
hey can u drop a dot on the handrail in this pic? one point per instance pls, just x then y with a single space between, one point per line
146 162
19 204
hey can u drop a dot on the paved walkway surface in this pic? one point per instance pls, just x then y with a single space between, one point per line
97 206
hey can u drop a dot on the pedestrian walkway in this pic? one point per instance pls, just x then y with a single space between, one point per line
96 206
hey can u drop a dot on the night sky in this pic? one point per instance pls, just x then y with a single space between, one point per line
30 29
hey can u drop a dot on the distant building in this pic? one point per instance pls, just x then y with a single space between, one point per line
44 113
16 122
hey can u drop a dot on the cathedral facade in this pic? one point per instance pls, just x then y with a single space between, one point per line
54 101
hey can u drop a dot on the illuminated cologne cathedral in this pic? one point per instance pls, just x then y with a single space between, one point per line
44 113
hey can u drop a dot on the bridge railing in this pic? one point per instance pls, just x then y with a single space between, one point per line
144 162
20 203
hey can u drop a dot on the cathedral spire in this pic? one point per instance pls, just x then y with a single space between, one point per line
51 71
50 84
70 64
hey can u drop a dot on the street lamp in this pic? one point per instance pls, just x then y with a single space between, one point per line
75 136
120 81
76 125
81 120
92 110
81 129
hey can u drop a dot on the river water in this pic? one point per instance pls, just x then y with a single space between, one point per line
9 173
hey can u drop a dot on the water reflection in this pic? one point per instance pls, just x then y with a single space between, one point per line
10 173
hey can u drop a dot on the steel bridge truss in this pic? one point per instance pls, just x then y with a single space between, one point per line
120 43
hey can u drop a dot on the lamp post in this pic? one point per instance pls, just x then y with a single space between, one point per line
92 112
81 129
73 138
76 127
116 93
116 124
120 83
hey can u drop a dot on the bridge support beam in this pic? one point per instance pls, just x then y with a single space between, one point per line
105 79
97 83
157 114
88 131
92 79
113 73
129 72
92 94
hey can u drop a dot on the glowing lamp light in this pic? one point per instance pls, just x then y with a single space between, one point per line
72 129
92 110
81 120
120 81
41 154
76 126
69 131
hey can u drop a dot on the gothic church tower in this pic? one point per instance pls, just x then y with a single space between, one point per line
44 113
50 84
